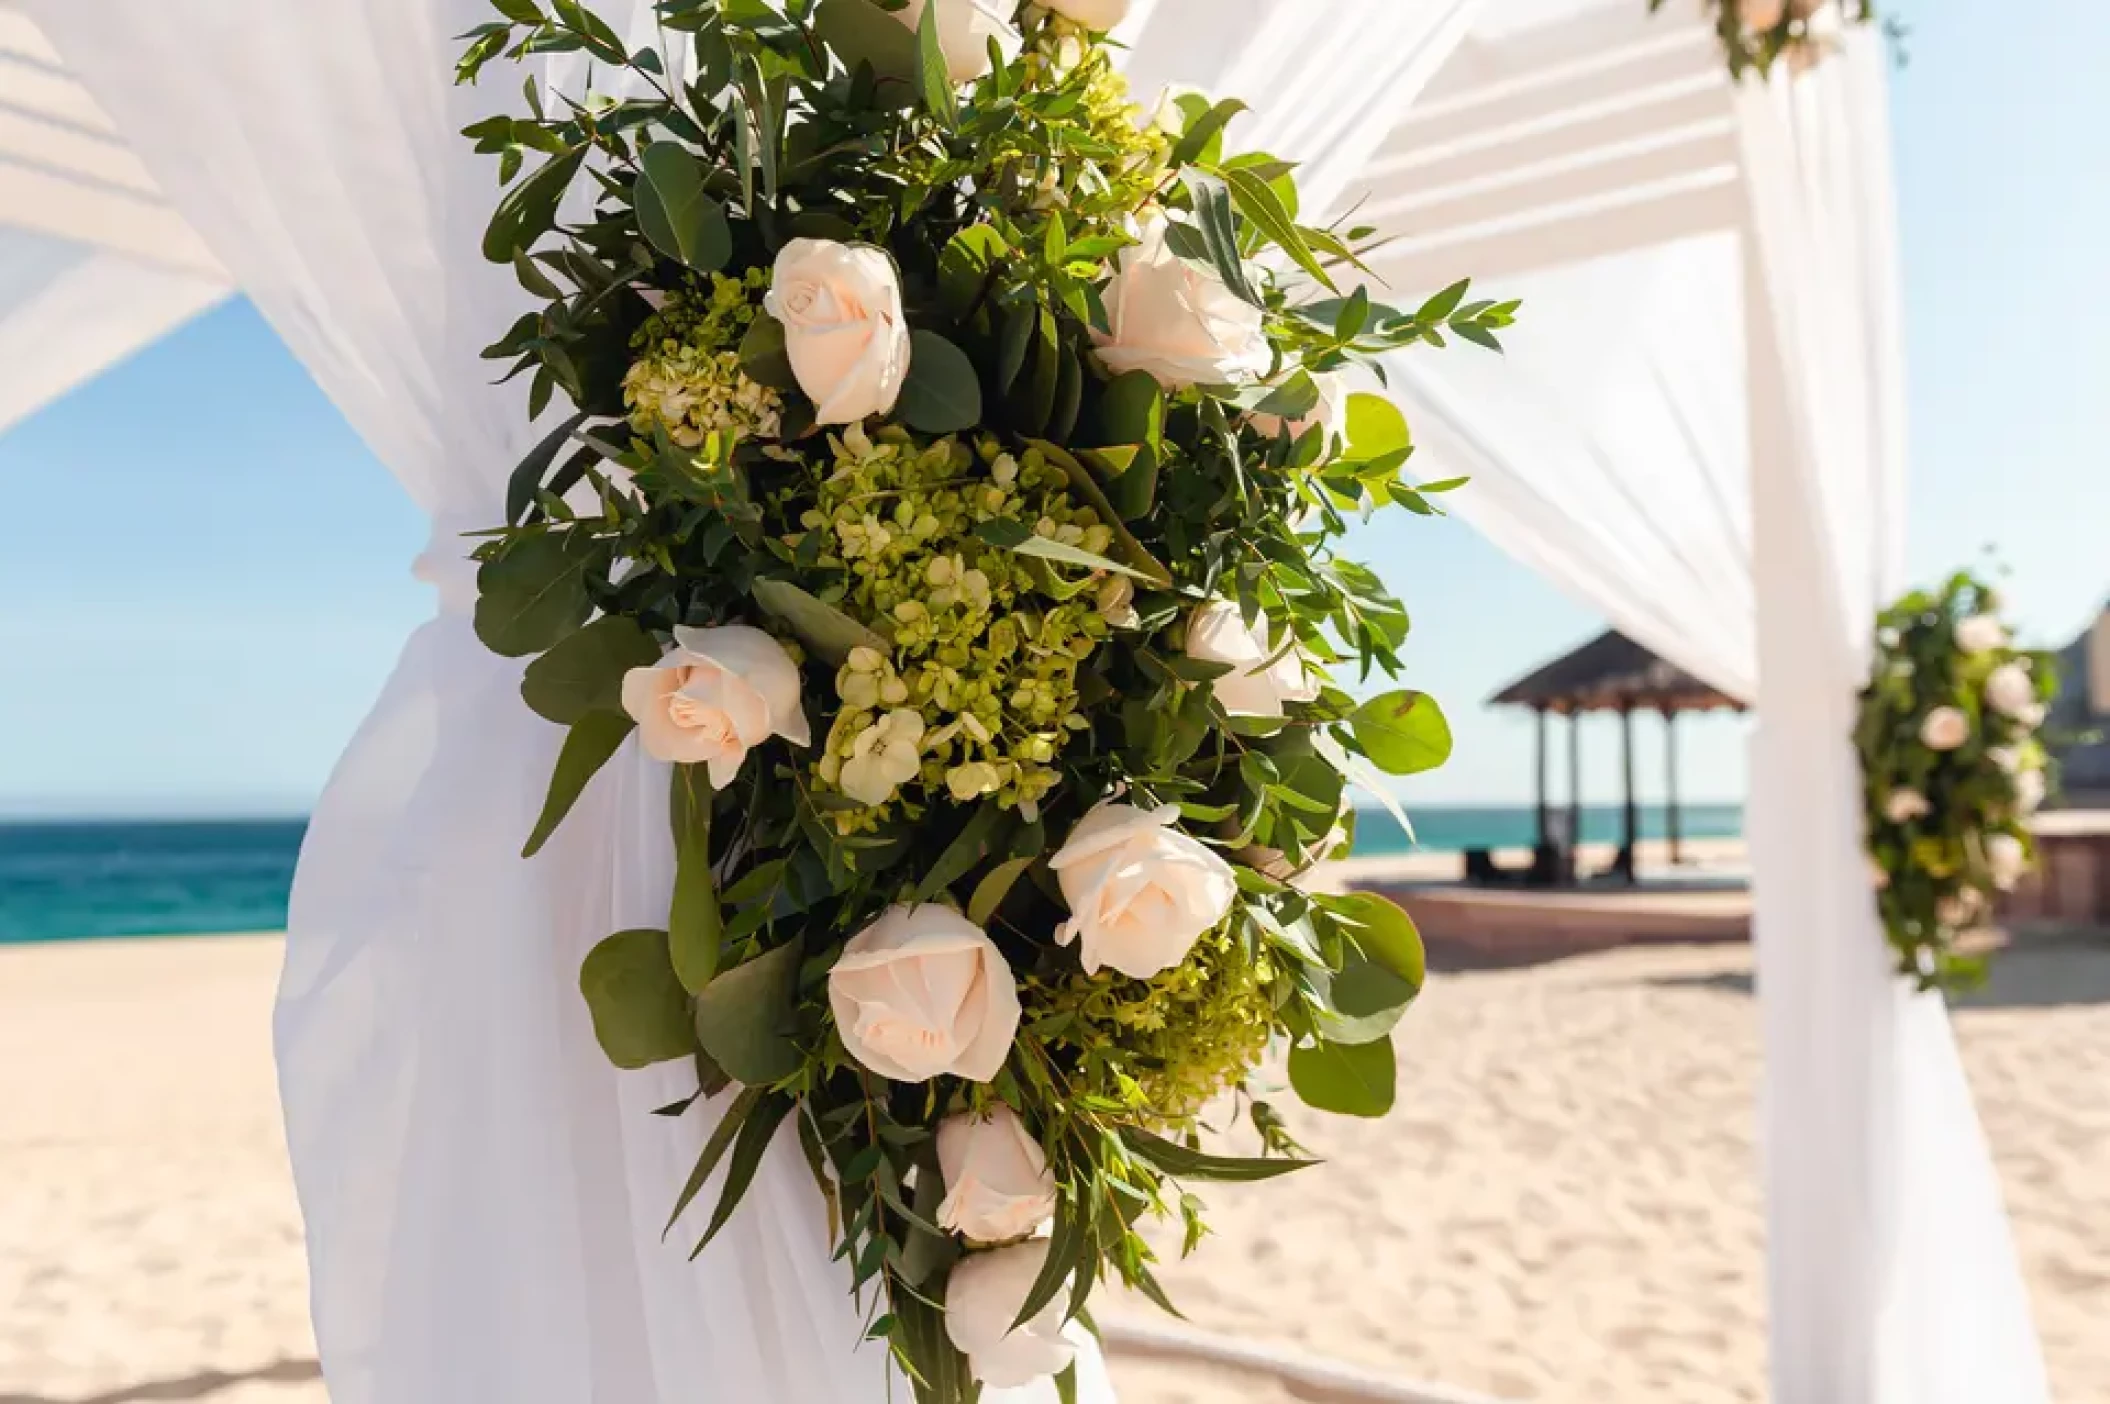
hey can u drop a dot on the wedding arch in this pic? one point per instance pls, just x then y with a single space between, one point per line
1698 429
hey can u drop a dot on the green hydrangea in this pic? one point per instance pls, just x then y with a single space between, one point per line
687 379
977 694
1167 1046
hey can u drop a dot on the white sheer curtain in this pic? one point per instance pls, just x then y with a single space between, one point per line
1705 439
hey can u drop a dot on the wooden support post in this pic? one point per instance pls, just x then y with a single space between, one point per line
1671 823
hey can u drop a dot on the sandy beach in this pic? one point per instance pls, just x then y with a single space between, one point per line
1563 1207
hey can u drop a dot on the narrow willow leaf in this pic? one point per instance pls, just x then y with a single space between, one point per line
1403 733
1257 201
821 627
1018 538
584 672
640 1013
1020 319
1066 1385
1136 554
935 79
596 737
1346 1079
1218 230
753 1142
995 885
1065 1242
695 926
977 837
714 1149
1204 129
529 209
1177 1160
744 1017
527 478
1069 399
942 394
675 213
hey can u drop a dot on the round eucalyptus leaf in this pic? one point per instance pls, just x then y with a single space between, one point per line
1346 1079
1403 733
640 1012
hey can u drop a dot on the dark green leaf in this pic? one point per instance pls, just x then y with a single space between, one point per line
529 209
680 219
744 1017
967 267
995 885
695 926
595 738
942 394
1087 487
826 630
752 1144
519 11
1204 128
1381 977
1403 733
763 358
527 478
1020 320
1178 1161
533 592
714 1149
584 671
640 1013
1132 409
1346 1079
974 842
1065 1245
860 32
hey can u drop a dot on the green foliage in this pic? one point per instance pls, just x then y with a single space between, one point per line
1938 819
640 1012
1792 37
985 592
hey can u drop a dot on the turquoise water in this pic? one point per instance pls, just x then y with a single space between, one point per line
140 878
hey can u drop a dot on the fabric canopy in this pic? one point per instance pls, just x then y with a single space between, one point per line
93 262
1697 430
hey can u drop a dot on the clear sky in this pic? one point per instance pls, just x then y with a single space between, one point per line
205 576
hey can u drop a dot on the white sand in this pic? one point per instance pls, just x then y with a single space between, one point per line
1562 1208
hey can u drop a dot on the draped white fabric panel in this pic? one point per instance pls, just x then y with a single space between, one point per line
1893 1274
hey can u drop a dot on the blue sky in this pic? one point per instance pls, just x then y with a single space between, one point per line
206 576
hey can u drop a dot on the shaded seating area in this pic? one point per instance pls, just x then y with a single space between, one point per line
1610 673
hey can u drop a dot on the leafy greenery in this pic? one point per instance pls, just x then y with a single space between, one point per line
1795 34
1948 824
987 587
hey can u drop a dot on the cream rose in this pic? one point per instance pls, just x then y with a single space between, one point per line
2010 691
923 992
1980 633
1904 806
2029 790
1096 15
843 326
1330 414
1177 321
1958 910
716 696
1258 683
1140 892
983 1298
2007 860
997 1185
965 28
1945 729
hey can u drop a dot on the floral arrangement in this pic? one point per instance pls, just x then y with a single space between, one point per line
1953 768
951 490
1756 34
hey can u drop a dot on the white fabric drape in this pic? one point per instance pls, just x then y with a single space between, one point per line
1893 1274
1705 440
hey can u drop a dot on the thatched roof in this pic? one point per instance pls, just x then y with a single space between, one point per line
1612 673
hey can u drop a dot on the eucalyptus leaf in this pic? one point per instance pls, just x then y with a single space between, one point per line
942 394
826 630
592 741
1257 201
763 357
1375 428
529 209
1145 566
748 1149
1018 538
533 592
1347 1079
527 478
584 672
1403 733
967 268
640 1011
675 213
995 886
932 74
1182 1163
860 32
695 925
744 1017
714 1149
1132 409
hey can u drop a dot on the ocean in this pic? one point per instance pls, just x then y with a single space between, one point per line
76 880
